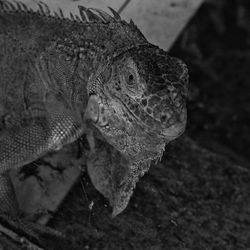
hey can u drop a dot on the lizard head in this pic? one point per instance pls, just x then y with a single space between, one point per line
137 101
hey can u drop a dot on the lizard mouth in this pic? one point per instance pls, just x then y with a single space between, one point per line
177 128
173 131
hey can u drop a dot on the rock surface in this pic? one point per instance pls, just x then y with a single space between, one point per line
193 199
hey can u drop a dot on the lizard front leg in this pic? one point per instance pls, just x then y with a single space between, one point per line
22 145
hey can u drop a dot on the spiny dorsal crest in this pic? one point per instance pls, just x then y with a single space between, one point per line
87 15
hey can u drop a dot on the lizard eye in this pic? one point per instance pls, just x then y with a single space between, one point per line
130 80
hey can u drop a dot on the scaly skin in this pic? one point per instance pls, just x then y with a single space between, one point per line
92 73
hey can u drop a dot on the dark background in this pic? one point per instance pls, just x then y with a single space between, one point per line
216 47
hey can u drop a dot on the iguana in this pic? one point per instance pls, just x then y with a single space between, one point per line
92 74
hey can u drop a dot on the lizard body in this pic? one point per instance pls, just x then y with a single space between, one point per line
59 74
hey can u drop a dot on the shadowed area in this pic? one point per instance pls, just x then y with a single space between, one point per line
193 199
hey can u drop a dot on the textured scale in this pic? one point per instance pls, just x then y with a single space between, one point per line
91 73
